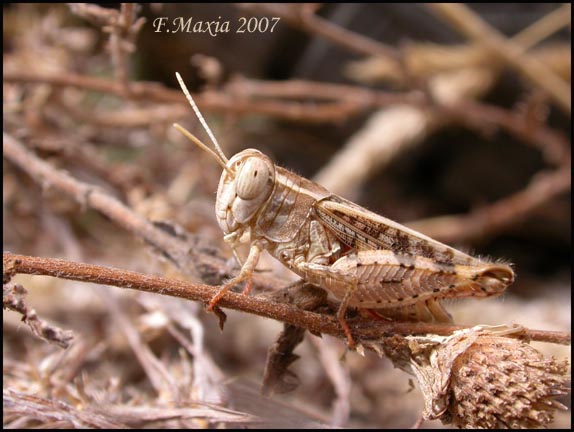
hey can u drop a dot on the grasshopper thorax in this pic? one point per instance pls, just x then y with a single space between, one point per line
244 188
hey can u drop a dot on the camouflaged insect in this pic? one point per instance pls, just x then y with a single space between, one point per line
365 260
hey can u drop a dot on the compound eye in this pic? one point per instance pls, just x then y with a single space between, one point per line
252 178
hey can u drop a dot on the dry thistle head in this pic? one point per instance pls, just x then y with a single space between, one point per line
501 382
477 378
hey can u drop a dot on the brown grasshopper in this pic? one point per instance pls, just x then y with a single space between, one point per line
366 260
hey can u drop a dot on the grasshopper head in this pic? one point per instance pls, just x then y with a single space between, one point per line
246 182
243 189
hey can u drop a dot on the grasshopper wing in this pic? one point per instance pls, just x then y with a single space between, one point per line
362 229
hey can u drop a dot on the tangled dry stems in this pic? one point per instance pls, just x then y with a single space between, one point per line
446 363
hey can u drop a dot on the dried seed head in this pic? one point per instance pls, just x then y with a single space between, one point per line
476 378
504 383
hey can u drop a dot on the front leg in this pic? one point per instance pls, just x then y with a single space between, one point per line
245 274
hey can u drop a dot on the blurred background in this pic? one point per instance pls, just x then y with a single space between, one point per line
397 107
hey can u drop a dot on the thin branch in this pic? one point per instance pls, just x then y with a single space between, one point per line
499 215
553 145
129 117
97 15
217 101
13 299
304 18
426 59
295 89
79 152
122 27
340 376
544 27
52 412
393 130
346 101
187 253
364 329
120 44
470 24
94 197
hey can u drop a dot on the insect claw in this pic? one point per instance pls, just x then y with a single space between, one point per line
222 317
350 341
224 288
213 302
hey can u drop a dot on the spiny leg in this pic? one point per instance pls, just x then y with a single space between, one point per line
245 274
320 275
437 311
341 316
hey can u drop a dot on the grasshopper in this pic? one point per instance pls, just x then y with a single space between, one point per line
365 260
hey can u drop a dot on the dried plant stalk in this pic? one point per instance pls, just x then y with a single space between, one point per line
13 299
471 378
395 129
470 24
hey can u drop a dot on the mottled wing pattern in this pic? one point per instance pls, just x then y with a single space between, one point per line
362 229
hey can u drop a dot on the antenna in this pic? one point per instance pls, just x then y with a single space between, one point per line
201 120
201 145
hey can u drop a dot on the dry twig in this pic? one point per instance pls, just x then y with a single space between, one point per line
55 413
94 197
304 18
13 299
495 217
346 101
393 130
363 328
300 101
467 22
122 27
340 377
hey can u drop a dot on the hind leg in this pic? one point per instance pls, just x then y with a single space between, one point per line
341 317
342 285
